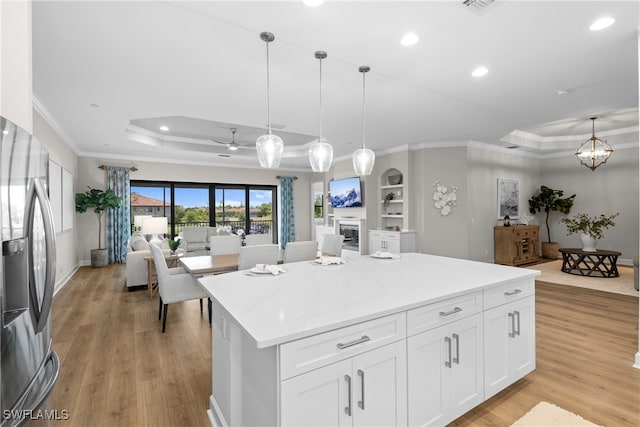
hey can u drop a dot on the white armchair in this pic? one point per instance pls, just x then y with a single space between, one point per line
300 251
257 254
332 244
174 285
136 267
223 245
258 239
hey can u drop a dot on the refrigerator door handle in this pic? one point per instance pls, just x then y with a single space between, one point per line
41 313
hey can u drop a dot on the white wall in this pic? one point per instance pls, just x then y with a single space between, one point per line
59 152
90 175
15 63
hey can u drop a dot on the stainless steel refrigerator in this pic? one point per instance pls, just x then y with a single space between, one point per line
29 367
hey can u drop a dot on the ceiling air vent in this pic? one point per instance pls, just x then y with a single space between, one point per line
478 6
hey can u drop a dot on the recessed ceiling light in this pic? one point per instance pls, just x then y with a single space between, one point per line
5 132
602 23
313 3
409 39
480 71
164 128
94 105
562 92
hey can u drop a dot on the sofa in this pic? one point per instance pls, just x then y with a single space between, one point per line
136 268
195 240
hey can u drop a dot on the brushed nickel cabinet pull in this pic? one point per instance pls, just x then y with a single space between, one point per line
364 338
512 293
517 331
448 362
449 313
456 338
347 409
361 375
512 331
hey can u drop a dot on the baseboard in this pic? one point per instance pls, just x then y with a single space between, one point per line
64 280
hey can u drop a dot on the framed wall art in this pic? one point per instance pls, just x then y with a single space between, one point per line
508 198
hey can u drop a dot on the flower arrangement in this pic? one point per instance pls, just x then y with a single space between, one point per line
223 229
387 198
174 243
444 198
592 226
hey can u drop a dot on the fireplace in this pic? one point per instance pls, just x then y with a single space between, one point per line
350 229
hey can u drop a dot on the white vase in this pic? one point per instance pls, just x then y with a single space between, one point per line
588 243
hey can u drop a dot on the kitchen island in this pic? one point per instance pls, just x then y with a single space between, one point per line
416 340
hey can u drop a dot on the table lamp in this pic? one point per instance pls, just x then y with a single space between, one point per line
137 221
155 225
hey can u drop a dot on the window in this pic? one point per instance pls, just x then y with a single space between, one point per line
252 208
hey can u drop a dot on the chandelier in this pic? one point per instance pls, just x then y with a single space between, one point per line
594 151
269 146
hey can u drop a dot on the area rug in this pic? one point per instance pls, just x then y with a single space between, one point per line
549 415
620 285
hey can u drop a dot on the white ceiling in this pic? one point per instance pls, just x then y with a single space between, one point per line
110 73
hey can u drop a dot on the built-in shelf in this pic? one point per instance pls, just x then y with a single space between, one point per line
391 216
393 201
390 187
392 210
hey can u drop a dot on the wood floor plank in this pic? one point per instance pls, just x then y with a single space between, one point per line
118 368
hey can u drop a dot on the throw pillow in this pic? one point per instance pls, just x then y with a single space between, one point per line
139 244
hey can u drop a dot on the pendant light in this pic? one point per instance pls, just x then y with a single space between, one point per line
320 151
269 146
594 151
363 158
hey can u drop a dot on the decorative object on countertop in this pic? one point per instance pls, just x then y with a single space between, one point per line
525 218
507 221
547 199
329 260
394 179
444 198
590 228
99 201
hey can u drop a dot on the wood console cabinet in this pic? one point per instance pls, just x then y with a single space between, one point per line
516 245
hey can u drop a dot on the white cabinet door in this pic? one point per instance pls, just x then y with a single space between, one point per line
445 372
366 390
375 245
467 376
380 386
318 398
509 344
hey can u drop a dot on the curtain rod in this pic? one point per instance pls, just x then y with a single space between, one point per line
280 177
104 168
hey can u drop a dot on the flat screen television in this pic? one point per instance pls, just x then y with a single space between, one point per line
346 193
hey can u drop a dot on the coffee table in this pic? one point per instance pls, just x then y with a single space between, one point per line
599 263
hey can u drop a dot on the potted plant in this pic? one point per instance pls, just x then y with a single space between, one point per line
99 201
591 228
547 199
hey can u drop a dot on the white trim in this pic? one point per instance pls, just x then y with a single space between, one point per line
64 280
44 112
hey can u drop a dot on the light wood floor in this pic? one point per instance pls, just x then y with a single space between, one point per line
117 368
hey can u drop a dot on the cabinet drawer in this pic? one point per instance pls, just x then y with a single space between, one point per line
381 235
525 232
313 352
433 315
502 294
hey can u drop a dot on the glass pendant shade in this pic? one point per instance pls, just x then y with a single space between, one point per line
594 151
270 149
320 151
269 146
363 160
320 156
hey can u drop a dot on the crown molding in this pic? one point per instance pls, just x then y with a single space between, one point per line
44 113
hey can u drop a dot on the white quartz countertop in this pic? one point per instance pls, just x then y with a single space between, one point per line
311 298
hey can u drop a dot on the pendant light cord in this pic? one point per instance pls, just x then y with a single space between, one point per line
363 115
320 133
268 94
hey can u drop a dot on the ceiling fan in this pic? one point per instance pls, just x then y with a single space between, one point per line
231 146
